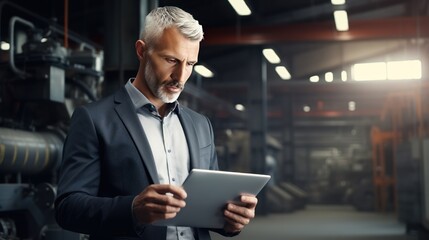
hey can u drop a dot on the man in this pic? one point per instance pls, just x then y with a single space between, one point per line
126 156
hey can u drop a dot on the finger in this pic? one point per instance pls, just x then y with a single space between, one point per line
235 218
231 226
249 200
162 209
176 191
165 200
241 211
159 216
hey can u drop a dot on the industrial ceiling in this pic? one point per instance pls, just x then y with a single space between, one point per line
303 34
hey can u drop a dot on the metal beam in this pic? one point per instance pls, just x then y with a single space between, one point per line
401 27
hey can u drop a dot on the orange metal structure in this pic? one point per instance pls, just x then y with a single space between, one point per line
404 117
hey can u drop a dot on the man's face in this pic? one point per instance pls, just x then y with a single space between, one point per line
169 64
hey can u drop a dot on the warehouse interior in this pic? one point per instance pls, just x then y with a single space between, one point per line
344 135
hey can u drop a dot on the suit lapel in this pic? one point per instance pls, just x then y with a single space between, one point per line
126 112
191 137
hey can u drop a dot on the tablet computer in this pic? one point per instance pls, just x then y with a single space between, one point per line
208 193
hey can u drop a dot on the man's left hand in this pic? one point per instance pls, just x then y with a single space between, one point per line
239 215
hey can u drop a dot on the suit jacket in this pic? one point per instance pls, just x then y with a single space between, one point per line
107 161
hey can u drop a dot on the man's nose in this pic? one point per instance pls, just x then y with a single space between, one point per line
180 73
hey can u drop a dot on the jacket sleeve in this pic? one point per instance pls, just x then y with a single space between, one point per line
78 207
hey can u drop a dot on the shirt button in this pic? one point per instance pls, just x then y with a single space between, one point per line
173 179
181 234
169 150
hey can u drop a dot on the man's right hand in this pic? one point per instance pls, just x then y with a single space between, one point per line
158 202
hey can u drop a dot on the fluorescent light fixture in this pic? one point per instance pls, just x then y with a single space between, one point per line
352 106
240 107
271 56
369 71
329 77
4 45
403 70
283 73
306 108
203 71
43 40
344 76
341 20
338 2
314 78
240 7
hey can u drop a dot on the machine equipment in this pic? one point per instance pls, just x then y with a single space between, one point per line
45 72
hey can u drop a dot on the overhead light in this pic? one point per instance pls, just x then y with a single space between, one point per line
283 73
329 77
4 45
344 76
352 106
271 56
338 2
203 71
306 108
240 107
341 20
314 78
240 7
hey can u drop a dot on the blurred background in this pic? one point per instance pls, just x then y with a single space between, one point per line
328 97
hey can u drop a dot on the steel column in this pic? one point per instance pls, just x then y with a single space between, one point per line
257 118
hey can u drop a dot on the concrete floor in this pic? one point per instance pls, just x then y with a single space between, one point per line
324 223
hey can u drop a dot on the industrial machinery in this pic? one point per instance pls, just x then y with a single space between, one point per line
45 72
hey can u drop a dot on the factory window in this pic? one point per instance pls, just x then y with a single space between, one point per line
393 70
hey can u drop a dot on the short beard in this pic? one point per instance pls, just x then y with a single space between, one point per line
157 88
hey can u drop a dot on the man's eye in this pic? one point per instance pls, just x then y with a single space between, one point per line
171 60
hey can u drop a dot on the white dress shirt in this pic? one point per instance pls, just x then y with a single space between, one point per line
168 145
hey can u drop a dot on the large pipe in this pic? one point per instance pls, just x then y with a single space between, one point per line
29 153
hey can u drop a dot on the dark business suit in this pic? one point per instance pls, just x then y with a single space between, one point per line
108 161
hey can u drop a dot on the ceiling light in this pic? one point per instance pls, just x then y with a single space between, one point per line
314 78
352 106
338 2
203 71
344 76
271 56
306 108
240 107
341 20
4 46
283 72
329 77
240 7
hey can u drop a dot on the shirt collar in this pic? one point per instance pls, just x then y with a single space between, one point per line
139 99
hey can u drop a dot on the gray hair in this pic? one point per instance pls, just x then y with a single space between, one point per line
164 17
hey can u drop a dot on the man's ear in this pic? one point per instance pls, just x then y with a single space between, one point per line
140 49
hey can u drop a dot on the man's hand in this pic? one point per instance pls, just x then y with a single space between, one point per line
239 215
158 201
